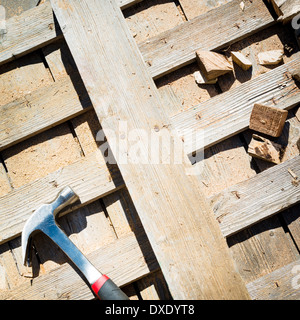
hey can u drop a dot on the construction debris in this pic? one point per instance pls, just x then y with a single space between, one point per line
264 149
241 60
213 64
268 120
272 57
201 79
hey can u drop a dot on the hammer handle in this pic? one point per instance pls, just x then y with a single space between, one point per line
106 289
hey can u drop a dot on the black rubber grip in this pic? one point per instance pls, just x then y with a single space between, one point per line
110 291
106 289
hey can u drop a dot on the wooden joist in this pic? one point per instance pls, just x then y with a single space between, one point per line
211 31
229 113
115 260
162 53
34 29
281 284
89 178
286 9
40 110
258 198
181 228
27 32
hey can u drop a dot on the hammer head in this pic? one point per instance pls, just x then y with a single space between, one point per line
43 218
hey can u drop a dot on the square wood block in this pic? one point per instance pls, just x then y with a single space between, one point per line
268 120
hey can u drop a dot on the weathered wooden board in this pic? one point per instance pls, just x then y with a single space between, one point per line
172 49
33 29
89 178
163 53
229 113
258 198
115 260
40 110
175 216
282 284
286 9
27 32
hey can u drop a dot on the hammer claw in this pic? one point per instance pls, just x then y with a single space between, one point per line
43 220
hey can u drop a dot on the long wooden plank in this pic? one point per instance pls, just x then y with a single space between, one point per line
89 178
210 31
163 53
286 9
258 198
281 284
27 32
34 29
41 110
229 113
116 260
182 231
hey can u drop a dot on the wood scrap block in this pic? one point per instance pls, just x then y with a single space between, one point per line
201 79
265 149
272 57
268 120
213 64
241 60
286 9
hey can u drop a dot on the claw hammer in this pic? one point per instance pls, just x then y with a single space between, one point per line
43 220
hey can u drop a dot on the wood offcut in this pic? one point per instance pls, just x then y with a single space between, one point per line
213 64
265 149
268 120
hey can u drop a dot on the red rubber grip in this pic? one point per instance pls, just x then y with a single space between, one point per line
99 283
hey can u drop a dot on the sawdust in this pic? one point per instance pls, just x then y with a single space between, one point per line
22 77
146 20
185 87
41 155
